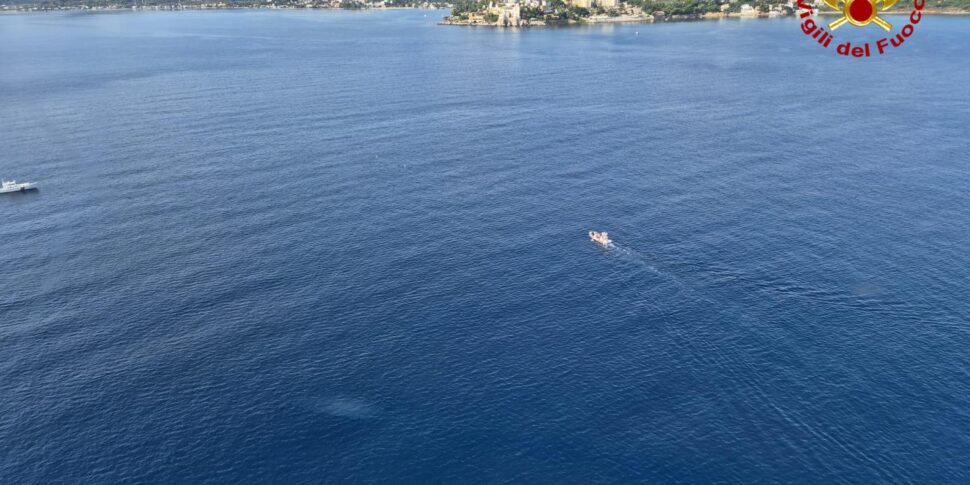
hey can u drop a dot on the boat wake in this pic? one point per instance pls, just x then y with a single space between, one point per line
676 287
639 259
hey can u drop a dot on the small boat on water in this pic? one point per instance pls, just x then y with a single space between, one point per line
601 238
8 186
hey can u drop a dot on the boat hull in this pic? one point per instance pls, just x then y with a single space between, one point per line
17 190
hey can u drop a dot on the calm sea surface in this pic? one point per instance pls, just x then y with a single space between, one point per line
311 247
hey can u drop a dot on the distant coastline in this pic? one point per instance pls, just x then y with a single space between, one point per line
148 5
646 19
605 19
482 13
538 13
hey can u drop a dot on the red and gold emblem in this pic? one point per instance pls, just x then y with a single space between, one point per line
861 13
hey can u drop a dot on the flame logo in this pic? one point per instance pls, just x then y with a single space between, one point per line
861 13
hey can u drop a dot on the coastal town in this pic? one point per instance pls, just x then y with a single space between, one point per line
523 13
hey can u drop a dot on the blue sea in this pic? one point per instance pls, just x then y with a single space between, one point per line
350 247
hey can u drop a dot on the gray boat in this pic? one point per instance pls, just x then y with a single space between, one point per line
8 186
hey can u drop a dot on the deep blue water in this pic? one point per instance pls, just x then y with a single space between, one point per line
324 247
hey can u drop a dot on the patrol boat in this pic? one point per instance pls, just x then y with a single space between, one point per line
8 186
601 238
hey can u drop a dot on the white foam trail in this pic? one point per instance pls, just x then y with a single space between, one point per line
633 256
643 261
344 407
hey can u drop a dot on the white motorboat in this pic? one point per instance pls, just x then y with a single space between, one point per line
601 238
8 186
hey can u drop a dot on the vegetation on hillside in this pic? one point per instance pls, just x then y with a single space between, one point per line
558 11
